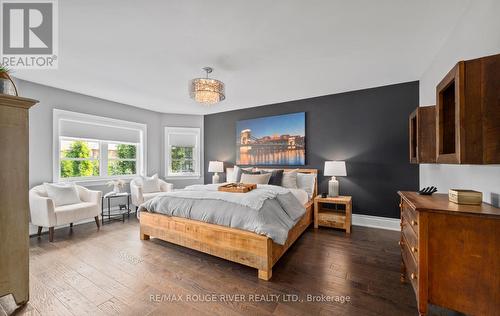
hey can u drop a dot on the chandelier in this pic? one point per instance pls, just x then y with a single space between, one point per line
206 90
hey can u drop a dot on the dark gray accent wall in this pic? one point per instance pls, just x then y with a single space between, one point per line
366 128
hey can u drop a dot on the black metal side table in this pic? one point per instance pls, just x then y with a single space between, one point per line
116 213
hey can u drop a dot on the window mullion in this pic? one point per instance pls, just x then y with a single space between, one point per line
169 160
104 159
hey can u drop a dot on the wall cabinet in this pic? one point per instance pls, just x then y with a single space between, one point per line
14 212
468 113
422 133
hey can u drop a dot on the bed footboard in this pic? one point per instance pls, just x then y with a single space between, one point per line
232 244
229 243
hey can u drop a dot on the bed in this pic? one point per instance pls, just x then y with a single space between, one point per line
237 245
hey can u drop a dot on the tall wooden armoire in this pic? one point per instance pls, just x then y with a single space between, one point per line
14 207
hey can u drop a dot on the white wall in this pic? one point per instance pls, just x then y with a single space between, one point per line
477 34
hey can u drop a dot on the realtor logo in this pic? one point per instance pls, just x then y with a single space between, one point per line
29 34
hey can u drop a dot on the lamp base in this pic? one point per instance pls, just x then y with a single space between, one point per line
215 178
333 187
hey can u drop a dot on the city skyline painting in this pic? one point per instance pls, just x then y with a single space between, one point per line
271 140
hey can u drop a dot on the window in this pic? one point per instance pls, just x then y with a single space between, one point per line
79 158
182 152
182 159
89 148
122 159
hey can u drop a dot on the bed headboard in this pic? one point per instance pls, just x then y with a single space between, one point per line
311 171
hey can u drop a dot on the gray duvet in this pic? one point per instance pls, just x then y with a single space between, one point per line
268 210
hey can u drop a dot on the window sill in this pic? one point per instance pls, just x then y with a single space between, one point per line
97 182
183 177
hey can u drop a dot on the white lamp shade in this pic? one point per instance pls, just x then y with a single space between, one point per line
335 168
216 166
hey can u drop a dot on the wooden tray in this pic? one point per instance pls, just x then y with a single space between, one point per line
237 187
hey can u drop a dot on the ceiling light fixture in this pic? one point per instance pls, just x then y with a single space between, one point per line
207 90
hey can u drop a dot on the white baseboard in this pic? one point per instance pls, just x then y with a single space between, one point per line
357 220
376 222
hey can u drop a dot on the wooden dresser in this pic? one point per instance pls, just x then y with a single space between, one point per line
451 253
14 212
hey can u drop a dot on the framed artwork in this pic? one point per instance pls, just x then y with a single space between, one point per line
272 140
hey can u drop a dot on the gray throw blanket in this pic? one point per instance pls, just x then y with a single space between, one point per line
268 210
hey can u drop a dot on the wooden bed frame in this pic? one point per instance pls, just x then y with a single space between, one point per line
248 248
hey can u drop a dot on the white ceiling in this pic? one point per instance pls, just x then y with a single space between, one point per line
143 53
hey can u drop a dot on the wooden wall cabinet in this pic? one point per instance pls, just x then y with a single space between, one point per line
468 113
14 213
422 134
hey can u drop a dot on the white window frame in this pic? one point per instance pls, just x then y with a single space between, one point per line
105 144
141 153
100 160
193 131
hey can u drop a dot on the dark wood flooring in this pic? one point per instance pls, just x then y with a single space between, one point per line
111 272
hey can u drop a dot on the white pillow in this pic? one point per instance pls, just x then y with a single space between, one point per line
305 181
62 193
230 175
150 184
290 179
300 195
255 178
237 171
233 175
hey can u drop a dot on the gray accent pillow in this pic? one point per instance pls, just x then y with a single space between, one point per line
290 179
276 176
255 178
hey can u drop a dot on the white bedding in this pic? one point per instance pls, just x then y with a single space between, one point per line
300 195
253 199
268 210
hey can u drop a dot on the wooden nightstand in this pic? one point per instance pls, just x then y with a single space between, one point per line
332 217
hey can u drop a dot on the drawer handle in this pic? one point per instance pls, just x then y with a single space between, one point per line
414 222
413 276
400 205
401 243
414 249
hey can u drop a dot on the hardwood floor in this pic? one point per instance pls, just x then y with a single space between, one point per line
111 272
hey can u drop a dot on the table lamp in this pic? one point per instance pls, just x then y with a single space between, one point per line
215 166
334 169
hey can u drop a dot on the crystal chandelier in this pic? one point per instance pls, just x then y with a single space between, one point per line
206 90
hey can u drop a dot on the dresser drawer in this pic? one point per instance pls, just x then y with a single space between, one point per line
410 215
410 265
410 238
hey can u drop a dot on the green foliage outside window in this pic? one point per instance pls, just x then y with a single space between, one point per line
79 168
78 159
182 159
122 167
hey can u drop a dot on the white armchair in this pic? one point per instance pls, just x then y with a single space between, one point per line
44 213
139 197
